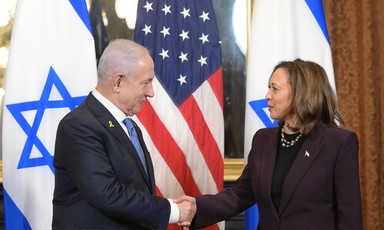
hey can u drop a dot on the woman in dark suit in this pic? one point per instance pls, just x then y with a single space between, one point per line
303 174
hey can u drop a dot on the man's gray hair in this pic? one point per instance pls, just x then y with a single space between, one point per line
120 57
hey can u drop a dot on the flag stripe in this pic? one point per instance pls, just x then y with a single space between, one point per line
179 130
158 192
216 82
171 185
81 9
316 6
167 146
198 126
13 216
212 112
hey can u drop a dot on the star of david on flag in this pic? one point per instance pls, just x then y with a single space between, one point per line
259 107
51 67
40 106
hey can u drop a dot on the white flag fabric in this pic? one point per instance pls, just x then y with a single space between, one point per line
282 30
51 68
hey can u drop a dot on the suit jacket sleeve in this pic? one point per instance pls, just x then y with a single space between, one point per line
221 206
347 185
215 208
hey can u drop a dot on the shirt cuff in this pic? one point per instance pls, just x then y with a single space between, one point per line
174 217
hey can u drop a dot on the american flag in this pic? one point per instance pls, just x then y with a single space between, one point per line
183 123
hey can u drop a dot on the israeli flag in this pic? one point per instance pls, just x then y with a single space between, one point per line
281 30
51 68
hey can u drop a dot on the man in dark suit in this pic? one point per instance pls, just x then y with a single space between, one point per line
102 180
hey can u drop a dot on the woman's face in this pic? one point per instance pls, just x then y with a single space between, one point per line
279 95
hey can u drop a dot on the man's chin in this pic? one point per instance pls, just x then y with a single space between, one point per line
136 111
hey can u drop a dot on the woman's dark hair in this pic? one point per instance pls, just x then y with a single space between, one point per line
313 99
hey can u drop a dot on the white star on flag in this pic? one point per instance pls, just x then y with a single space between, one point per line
204 38
147 29
148 6
182 79
185 12
184 34
164 53
202 60
165 31
204 16
183 57
166 9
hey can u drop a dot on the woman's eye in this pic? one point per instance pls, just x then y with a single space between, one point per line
273 88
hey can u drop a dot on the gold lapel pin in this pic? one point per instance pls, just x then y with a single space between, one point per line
110 124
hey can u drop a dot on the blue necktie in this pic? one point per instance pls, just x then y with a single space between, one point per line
135 141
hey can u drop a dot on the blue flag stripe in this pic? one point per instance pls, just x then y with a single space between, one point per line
81 9
14 218
316 6
251 219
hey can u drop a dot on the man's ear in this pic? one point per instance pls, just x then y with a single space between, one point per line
117 82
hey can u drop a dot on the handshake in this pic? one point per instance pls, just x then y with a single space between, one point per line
187 210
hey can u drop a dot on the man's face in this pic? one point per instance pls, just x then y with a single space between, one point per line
133 94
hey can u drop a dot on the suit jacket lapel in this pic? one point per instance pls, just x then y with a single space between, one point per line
308 153
113 126
269 153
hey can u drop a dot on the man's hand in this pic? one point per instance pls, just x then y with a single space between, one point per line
187 209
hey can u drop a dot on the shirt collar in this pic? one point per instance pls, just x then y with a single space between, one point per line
113 109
